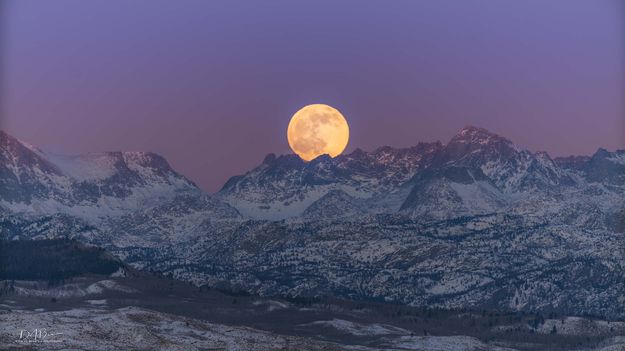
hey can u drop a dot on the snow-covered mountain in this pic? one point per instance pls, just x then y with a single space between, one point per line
103 192
475 172
285 186
510 168
92 186
477 221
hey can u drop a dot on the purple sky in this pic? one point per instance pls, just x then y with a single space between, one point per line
211 85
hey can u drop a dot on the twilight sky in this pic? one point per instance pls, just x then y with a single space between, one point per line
211 85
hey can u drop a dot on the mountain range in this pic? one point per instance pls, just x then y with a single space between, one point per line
476 222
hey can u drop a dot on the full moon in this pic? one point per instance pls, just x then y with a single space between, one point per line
317 129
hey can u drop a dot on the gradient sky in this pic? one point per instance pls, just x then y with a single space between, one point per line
211 85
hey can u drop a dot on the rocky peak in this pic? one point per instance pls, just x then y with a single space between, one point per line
325 158
147 160
477 137
283 162
269 158
358 154
22 157
387 154
572 162
476 146
606 166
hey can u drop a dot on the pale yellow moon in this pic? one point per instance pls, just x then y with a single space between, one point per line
317 129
